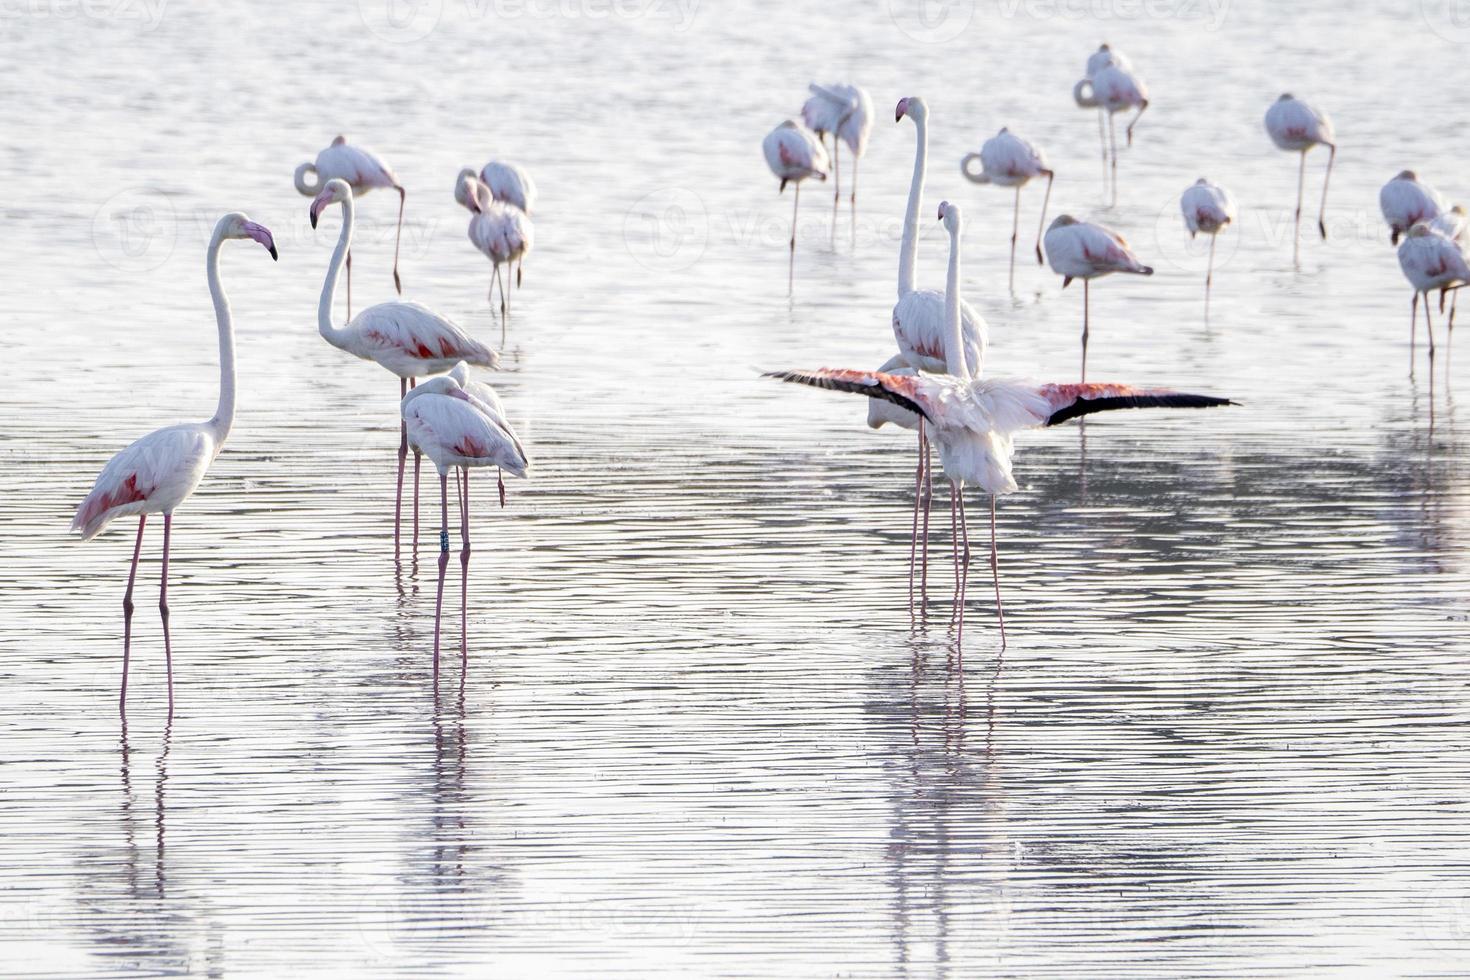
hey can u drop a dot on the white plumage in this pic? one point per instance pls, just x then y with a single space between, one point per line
1106 55
510 183
1405 202
363 171
1083 250
150 476
502 231
1206 207
794 153
453 431
1294 125
844 110
1430 260
1005 159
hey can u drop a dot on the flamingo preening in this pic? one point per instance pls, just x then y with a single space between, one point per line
159 471
1297 127
972 420
918 316
1007 160
1111 86
363 170
502 231
1430 260
454 428
507 182
408 339
845 111
1405 202
1207 208
794 153
1083 250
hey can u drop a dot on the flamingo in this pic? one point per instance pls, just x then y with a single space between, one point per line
1104 56
845 111
1453 225
511 183
363 170
918 316
1295 126
408 339
972 421
1113 88
158 472
794 153
1207 208
1430 260
502 231
1010 161
1083 250
1405 202
454 428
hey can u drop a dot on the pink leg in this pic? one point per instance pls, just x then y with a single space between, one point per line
914 530
349 284
168 652
122 700
1413 331
443 563
924 531
499 483
964 561
1086 316
464 569
402 455
995 574
954 541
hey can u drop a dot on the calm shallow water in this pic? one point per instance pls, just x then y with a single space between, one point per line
698 734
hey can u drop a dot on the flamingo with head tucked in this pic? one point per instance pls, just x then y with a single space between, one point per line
845 111
1405 202
1007 160
1295 126
1430 260
1113 88
1083 250
972 420
794 153
408 339
160 471
1207 208
363 170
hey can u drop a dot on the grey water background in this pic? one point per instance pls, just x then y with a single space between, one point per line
698 734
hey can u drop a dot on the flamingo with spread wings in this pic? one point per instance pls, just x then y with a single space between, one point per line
363 170
972 421
160 471
408 339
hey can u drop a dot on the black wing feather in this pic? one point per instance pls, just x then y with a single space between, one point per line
1088 406
873 390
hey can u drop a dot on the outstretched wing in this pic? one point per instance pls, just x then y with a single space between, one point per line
1070 401
903 391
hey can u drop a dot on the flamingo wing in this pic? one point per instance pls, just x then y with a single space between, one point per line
453 432
154 473
509 183
1070 401
416 331
361 168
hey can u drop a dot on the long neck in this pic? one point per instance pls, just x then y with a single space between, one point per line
302 187
908 254
224 416
954 348
324 308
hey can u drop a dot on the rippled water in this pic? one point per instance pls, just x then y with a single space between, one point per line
698 734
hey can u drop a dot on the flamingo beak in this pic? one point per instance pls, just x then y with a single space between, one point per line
321 201
262 234
901 110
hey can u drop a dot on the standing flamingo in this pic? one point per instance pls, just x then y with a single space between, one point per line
1007 160
1297 127
1430 261
794 153
973 420
1405 202
918 316
408 339
159 471
1113 88
502 231
845 111
511 183
1083 250
1452 224
453 428
363 170
1207 208
1082 94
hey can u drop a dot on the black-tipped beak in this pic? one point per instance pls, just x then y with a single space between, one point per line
274 256
313 218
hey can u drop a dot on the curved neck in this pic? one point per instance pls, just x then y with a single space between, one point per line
908 253
224 416
302 187
954 347
324 308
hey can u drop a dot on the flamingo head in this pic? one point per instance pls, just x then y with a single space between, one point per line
464 189
336 191
237 225
339 140
1062 221
951 216
1407 175
1285 97
911 106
